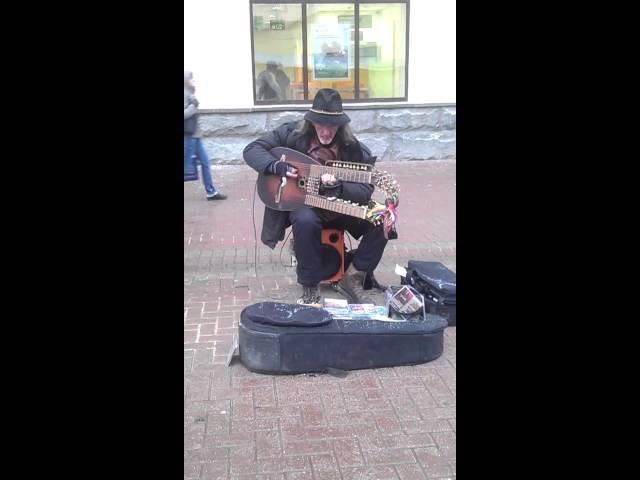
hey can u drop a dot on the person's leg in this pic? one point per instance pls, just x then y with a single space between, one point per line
308 250
190 168
371 248
366 258
307 245
207 180
372 244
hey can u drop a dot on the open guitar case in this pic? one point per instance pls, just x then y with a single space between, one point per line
280 338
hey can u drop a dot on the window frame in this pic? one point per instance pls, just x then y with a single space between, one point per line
356 53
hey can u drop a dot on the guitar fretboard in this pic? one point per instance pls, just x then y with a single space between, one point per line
345 174
337 205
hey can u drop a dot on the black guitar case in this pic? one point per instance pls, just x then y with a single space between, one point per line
438 285
283 338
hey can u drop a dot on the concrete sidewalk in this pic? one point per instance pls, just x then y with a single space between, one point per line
396 423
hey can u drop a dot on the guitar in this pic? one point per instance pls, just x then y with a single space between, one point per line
304 190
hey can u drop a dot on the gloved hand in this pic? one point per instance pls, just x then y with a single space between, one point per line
334 190
281 169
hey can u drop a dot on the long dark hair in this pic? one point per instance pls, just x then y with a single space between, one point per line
344 135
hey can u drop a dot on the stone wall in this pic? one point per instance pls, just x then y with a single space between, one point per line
407 133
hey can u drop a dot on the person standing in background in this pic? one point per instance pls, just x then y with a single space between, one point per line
193 147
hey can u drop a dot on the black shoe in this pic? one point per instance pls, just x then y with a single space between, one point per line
353 284
309 297
217 196
370 282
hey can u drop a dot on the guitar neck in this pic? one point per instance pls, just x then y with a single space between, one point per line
345 174
337 205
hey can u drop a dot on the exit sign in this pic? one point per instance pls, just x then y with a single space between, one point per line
277 24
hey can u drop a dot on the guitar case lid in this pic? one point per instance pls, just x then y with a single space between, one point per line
434 274
286 315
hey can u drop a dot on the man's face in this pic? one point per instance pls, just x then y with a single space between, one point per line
325 132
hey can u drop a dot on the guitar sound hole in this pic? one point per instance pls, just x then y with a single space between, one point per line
301 182
333 238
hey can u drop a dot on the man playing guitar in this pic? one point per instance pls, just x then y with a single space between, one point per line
324 135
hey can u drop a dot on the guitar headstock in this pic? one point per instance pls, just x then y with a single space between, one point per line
375 212
385 182
385 215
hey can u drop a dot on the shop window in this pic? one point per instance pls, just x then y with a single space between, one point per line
357 48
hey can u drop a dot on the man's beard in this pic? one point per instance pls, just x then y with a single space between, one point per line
328 144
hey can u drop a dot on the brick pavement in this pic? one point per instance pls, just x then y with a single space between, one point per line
395 423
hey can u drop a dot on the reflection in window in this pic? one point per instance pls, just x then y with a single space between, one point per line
382 50
329 50
330 47
277 43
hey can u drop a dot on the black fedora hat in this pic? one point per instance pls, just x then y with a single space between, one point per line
327 109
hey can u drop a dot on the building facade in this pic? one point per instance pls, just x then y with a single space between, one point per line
259 63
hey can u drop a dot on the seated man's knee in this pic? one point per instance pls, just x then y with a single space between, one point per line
305 217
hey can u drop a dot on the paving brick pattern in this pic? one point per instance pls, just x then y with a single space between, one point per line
389 423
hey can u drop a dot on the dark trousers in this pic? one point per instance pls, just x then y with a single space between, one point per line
307 226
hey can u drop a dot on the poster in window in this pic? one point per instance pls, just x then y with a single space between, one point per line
330 52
